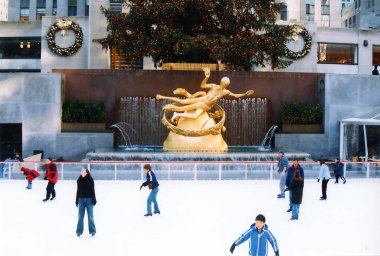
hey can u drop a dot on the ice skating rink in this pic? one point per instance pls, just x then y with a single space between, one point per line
199 218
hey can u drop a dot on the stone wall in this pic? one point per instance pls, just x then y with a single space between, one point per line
34 100
344 96
50 60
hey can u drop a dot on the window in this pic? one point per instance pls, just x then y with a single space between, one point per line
20 48
54 8
283 12
87 10
310 11
345 23
116 5
41 9
332 53
354 20
72 8
325 20
24 9
376 55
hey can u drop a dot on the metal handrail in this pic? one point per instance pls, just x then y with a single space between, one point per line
218 170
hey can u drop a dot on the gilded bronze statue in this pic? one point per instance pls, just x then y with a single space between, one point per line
192 125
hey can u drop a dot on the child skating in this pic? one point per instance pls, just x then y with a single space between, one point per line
30 175
259 236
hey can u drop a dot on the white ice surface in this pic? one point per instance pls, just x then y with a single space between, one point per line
199 218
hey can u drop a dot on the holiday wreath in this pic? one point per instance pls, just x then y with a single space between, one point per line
64 25
299 30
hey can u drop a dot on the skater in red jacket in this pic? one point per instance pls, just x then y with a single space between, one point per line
52 176
30 175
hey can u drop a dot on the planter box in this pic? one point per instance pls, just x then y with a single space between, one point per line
193 66
302 128
83 127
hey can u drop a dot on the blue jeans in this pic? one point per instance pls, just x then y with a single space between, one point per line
29 185
296 208
85 204
152 198
282 184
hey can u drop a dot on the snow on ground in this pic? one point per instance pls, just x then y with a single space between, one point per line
198 218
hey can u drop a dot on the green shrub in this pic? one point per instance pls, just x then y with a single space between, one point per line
75 111
301 113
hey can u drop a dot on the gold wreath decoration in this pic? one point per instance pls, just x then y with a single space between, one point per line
302 31
65 52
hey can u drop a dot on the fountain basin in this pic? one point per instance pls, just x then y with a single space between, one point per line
158 154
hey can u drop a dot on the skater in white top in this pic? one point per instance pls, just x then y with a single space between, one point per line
324 175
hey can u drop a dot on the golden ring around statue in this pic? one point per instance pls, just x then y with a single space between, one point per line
215 130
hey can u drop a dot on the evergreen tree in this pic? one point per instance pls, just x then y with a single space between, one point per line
236 32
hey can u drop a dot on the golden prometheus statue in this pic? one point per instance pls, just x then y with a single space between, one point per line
197 121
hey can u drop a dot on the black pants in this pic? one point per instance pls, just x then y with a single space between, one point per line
337 176
50 190
324 187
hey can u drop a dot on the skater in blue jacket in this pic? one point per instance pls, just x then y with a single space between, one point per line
152 184
259 235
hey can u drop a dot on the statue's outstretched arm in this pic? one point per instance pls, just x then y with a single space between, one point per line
250 92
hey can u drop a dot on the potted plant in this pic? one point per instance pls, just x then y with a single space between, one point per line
298 117
78 116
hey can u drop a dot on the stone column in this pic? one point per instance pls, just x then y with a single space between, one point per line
49 8
81 7
62 8
14 10
97 57
33 10
318 11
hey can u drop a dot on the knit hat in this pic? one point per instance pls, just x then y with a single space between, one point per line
260 217
281 152
23 169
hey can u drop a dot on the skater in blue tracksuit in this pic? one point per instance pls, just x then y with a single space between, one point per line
259 236
152 184
289 178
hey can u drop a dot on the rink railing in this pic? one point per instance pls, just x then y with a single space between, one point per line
185 170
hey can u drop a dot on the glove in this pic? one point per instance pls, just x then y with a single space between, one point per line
76 203
318 180
232 249
141 186
286 189
94 201
45 178
277 253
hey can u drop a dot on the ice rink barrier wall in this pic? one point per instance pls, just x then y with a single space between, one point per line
185 170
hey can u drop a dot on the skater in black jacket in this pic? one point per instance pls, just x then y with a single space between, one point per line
85 201
338 171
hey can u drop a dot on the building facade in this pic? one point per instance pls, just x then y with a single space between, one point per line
325 13
362 14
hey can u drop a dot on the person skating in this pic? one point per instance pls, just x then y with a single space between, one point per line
259 236
324 175
85 201
52 176
30 175
296 188
283 165
152 183
338 171
289 177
